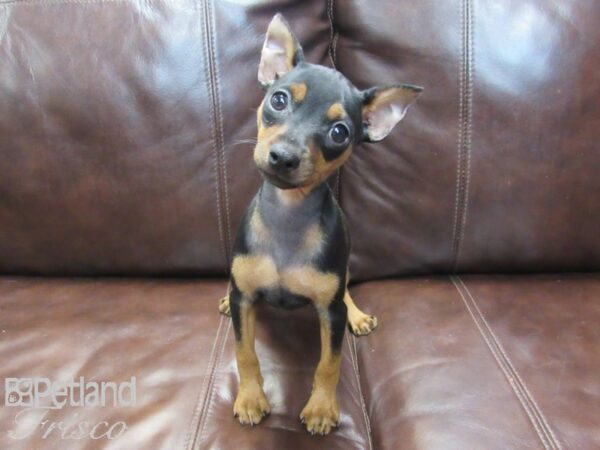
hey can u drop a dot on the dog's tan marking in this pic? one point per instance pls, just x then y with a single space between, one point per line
326 168
322 168
270 133
322 412
313 239
360 323
265 138
320 287
266 132
251 404
336 111
257 227
252 272
259 113
293 197
298 91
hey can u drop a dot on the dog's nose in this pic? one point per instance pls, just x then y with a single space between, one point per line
283 161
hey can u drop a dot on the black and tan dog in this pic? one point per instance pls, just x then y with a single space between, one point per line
293 245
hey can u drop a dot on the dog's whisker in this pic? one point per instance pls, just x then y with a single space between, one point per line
244 142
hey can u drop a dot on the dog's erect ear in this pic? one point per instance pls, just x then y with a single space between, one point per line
384 107
280 53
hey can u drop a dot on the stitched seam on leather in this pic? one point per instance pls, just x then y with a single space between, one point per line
460 120
213 130
363 404
211 390
191 437
333 35
333 38
518 386
499 361
537 410
211 24
465 129
469 126
338 180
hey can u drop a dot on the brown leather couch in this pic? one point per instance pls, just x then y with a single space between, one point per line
124 172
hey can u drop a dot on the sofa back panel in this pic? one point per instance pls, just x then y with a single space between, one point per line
118 129
122 134
399 194
497 165
533 199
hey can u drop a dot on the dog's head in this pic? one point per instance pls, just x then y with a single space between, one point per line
312 116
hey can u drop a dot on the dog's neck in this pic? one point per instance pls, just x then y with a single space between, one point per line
291 208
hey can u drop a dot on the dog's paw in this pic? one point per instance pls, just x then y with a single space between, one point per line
251 406
362 324
321 414
224 306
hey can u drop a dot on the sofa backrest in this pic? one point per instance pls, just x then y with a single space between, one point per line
122 129
497 167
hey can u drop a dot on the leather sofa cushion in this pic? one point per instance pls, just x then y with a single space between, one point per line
171 337
161 332
488 362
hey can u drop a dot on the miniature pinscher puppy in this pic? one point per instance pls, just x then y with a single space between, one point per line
293 245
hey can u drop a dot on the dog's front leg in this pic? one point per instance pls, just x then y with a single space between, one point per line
322 412
251 404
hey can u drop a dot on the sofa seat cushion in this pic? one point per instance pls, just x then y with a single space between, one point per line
162 333
170 336
490 362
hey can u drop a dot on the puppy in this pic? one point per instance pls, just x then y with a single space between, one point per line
293 245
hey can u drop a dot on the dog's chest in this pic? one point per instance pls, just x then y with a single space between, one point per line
281 264
287 241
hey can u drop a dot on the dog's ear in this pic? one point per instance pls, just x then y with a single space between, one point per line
280 53
384 107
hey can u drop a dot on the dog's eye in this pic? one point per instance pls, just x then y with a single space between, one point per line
279 101
339 133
